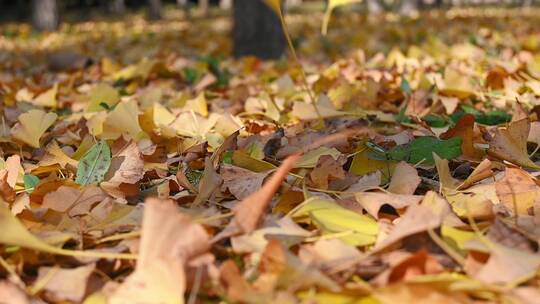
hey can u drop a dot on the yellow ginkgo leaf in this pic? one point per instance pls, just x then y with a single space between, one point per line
124 119
47 98
332 4
161 116
275 5
32 125
55 155
102 96
198 105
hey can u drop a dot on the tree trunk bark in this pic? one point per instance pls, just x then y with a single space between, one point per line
257 30
204 6
117 6
225 4
154 9
45 15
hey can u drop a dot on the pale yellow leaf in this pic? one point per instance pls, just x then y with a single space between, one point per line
32 125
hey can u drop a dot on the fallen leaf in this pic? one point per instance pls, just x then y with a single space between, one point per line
464 129
169 240
241 182
94 164
510 144
404 180
65 284
249 212
28 131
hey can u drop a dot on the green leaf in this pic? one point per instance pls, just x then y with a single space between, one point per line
405 87
492 118
30 182
401 117
422 148
94 164
435 121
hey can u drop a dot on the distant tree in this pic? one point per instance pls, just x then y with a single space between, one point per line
257 30
225 4
204 6
117 6
154 9
45 15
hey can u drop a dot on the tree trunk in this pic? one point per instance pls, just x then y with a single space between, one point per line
117 6
204 6
257 30
225 4
154 9
374 7
45 15
408 7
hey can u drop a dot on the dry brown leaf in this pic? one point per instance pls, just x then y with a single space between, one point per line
127 166
72 200
327 169
464 129
169 240
62 284
373 201
404 180
518 191
12 293
241 182
250 211
510 144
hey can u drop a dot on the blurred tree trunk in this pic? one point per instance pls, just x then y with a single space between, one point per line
408 7
257 30
225 4
204 6
374 7
154 9
117 6
45 15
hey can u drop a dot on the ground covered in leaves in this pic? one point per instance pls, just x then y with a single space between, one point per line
140 164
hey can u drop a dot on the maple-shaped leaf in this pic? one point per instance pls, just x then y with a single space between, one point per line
32 125
510 143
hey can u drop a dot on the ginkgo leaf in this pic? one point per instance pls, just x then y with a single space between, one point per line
332 4
123 119
161 115
308 111
55 155
15 234
331 218
275 5
32 125
47 98
510 144
102 97
310 159
197 105
94 164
